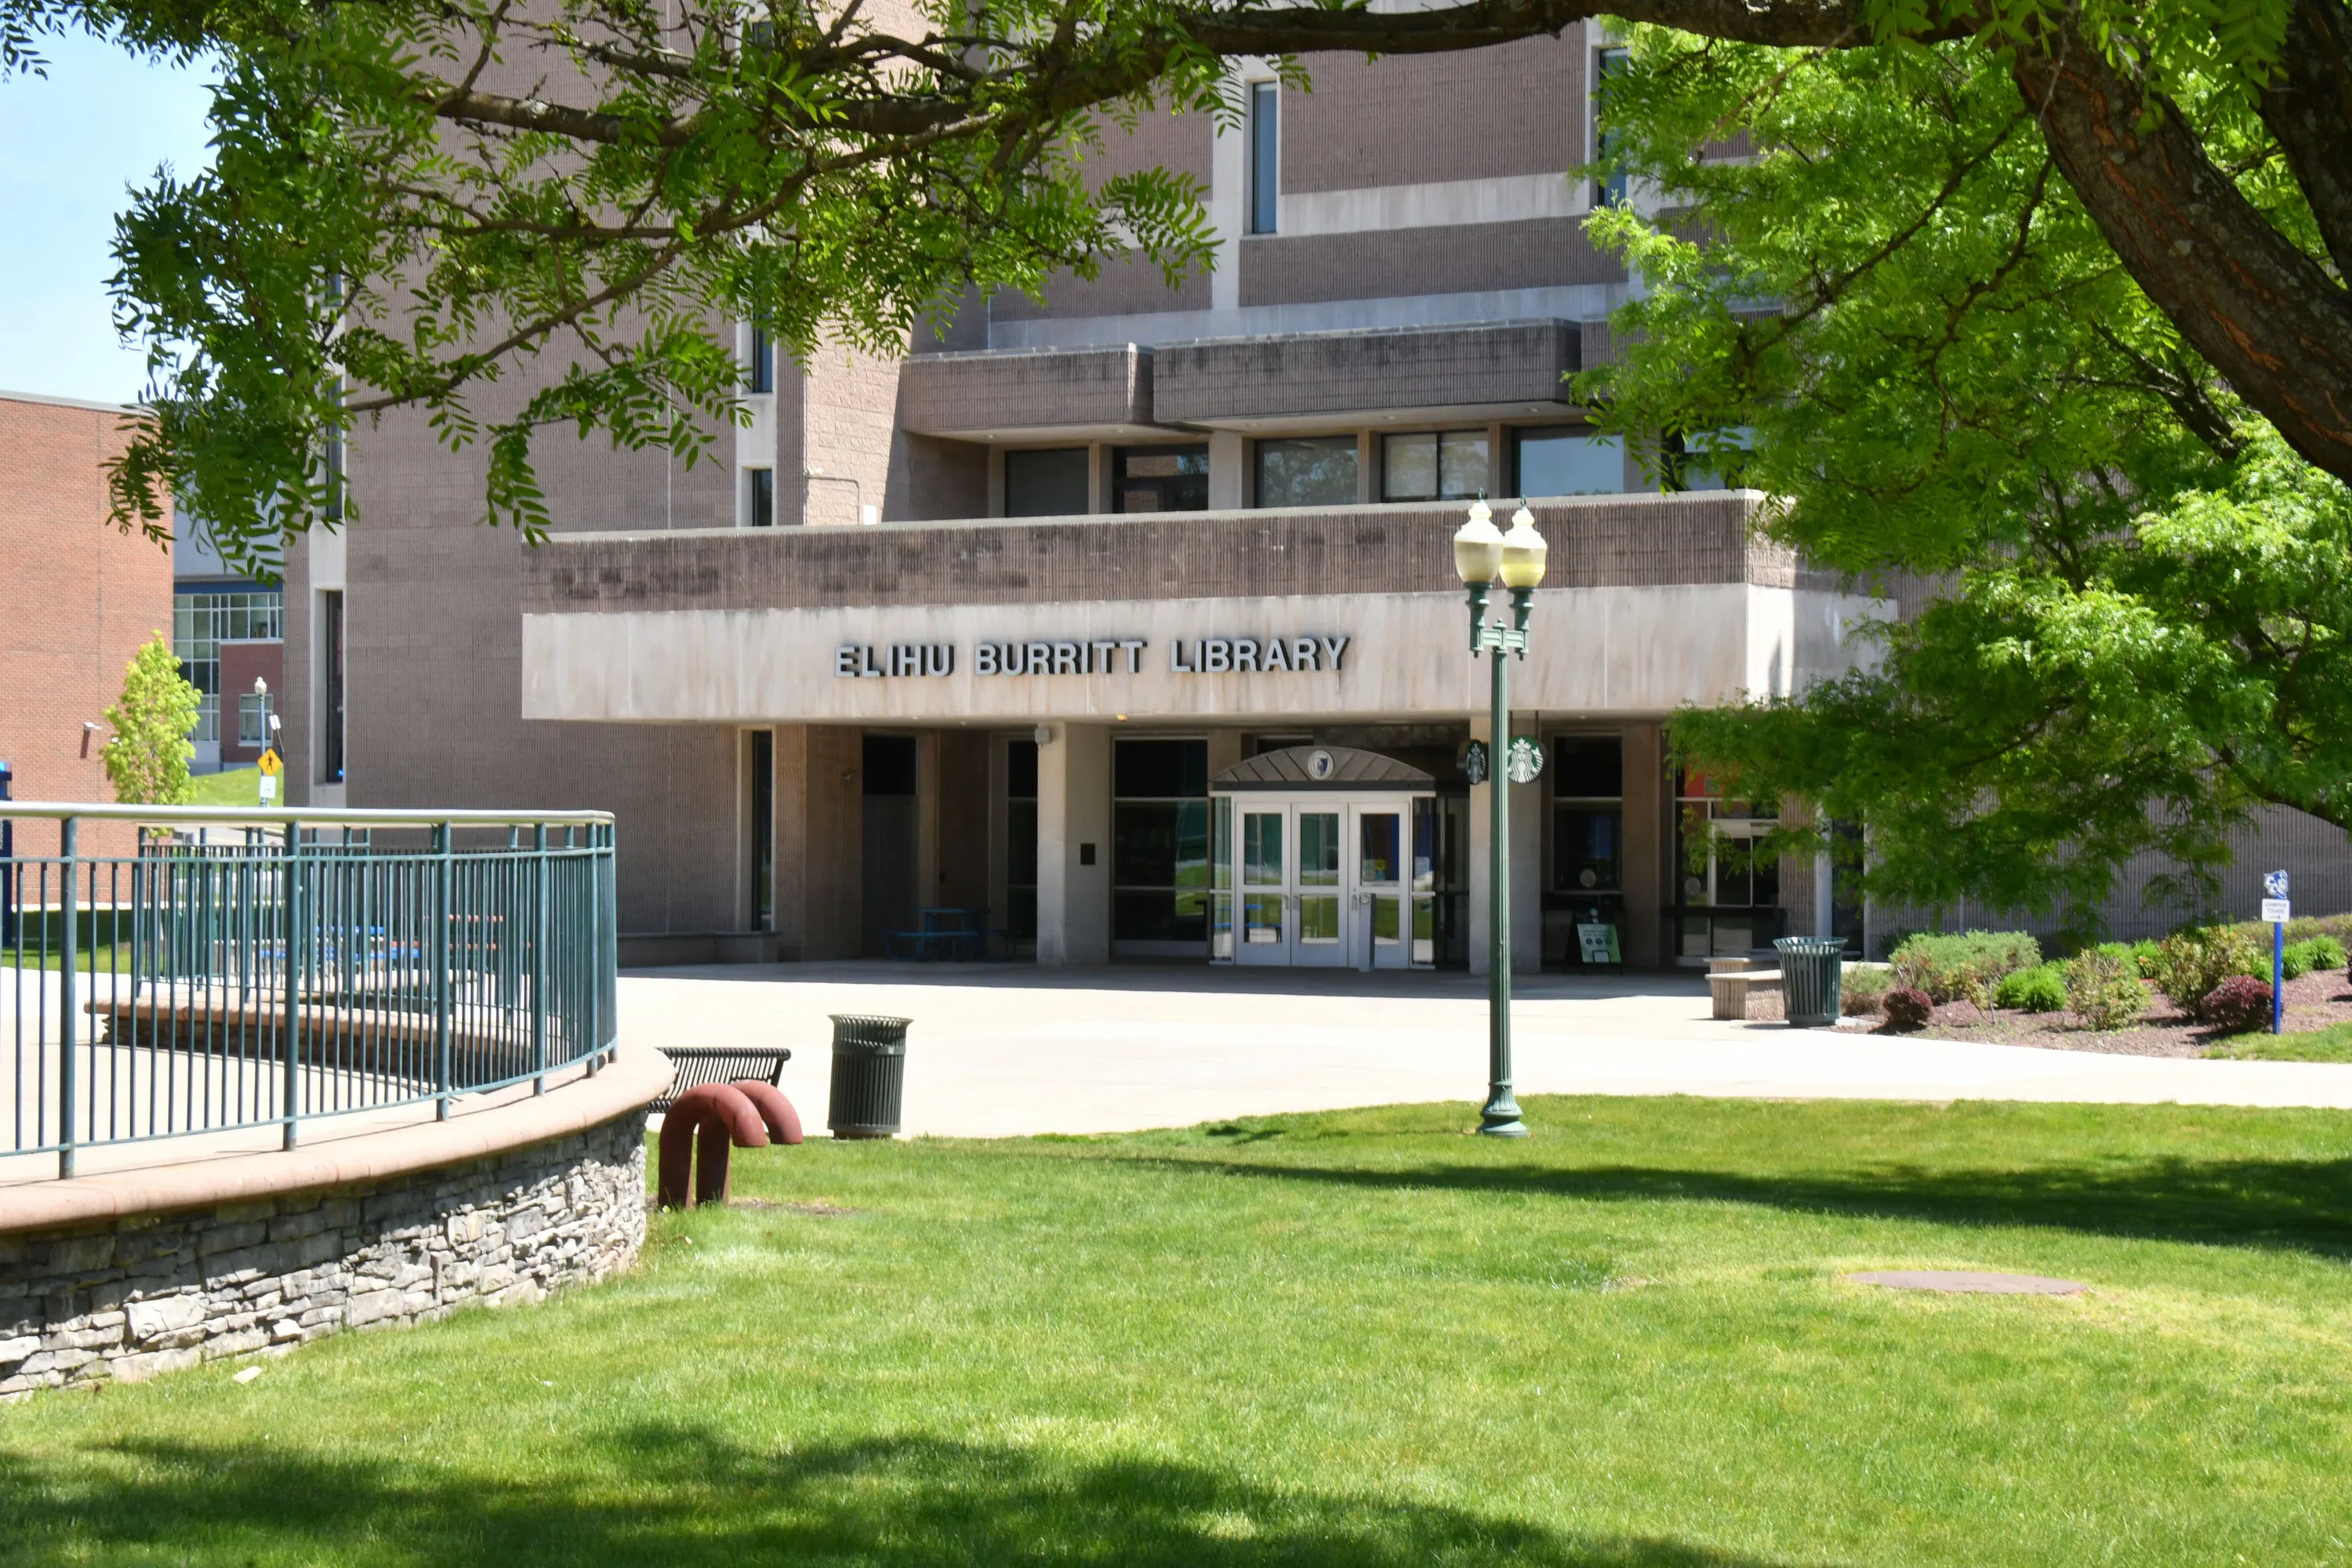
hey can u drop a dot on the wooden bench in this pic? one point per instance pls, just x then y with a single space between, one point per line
698 1065
1730 983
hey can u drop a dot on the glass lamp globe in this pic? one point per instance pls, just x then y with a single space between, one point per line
1523 551
1478 546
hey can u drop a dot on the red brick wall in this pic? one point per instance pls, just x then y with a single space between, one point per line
240 663
76 598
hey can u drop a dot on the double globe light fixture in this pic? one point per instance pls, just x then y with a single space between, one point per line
1482 554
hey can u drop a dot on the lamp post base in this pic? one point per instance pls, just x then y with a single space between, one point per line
1500 1118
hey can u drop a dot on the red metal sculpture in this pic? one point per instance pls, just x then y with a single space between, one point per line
744 1115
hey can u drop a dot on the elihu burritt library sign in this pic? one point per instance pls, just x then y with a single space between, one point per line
1095 656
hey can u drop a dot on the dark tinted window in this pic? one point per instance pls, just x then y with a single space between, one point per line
1159 479
1045 484
1160 770
1020 769
1318 470
890 764
1588 767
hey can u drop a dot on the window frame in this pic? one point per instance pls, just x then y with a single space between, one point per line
1437 437
759 496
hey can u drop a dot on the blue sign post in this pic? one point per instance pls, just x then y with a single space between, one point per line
2275 910
7 861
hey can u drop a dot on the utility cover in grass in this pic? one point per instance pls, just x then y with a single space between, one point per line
1968 1282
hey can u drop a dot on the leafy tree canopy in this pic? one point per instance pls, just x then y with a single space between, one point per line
1900 319
147 756
515 218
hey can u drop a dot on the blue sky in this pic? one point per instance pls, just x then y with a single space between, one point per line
68 146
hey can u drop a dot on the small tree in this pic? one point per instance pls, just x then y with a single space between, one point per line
147 760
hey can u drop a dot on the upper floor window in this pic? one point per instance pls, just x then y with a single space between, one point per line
1608 190
1571 462
762 498
1049 483
1161 478
1435 465
764 361
1264 155
1318 470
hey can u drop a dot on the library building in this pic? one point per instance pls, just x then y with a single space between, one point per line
1122 624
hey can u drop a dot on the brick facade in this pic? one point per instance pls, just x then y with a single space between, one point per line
77 596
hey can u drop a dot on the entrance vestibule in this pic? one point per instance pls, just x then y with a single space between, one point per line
1324 856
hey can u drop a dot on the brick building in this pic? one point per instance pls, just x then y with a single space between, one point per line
1124 621
77 596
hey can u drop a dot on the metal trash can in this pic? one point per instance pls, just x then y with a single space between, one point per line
1812 969
869 1075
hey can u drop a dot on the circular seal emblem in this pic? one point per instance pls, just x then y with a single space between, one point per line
1319 765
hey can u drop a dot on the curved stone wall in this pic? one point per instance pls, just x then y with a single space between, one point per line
128 1296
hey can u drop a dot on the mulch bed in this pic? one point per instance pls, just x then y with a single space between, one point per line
2313 1002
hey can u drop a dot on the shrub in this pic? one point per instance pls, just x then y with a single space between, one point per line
2312 955
2042 989
1863 989
1968 966
1908 1008
2192 963
2239 1004
2103 988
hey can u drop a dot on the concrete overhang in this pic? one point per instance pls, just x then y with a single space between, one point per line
1477 370
1030 394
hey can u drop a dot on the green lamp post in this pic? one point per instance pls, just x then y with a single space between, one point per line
1481 553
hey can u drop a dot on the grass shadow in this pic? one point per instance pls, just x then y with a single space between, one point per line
2279 1205
683 1495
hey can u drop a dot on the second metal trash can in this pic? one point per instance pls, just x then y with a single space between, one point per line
869 1075
1812 968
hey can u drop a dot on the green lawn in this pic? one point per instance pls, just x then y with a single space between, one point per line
232 786
2332 1044
1361 1339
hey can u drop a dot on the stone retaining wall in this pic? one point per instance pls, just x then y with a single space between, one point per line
128 1299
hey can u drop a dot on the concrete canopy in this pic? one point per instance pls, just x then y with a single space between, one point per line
1296 768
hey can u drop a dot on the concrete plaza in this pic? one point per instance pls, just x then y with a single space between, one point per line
1005 1049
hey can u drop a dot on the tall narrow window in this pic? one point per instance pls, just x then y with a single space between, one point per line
334 477
1609 188
764 361
1160 842
762 868
330 686
1264 155
1020 840
763 509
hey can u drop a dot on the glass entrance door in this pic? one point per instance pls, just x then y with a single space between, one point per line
1376 934
1263 895
1323 882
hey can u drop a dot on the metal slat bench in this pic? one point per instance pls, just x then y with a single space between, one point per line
698 1065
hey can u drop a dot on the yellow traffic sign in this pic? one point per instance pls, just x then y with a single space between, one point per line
270 765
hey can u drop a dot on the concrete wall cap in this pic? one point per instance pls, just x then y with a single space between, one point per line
635 1077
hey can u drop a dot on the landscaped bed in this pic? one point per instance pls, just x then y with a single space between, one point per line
2313 1002
1354 1339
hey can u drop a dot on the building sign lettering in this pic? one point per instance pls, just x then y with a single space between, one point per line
1096 655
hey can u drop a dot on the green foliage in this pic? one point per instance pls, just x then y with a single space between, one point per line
2103 988
2191 964
2041 989
2240 1002
1963 967
2313 955
1862 990
2142 621
147 756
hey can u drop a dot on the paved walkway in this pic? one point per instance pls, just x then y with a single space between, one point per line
999 1049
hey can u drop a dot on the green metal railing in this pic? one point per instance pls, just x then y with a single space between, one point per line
174 970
